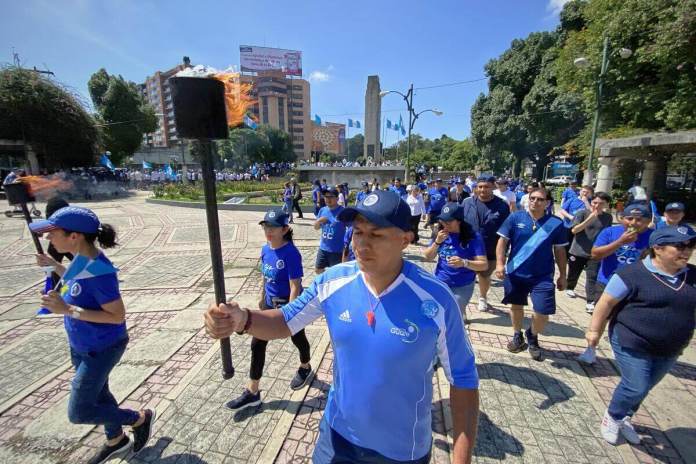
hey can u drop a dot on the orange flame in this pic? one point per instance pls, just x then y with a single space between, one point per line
237 97
46 187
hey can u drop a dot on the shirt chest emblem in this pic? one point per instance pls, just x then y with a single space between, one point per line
75 289
345 316
408 334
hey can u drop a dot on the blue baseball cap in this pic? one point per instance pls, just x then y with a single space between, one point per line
489 179
637 210
382 208
72 218
276 218
451 211
331 191
672 234
675 206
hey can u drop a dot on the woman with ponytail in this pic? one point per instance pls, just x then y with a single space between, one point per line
460 254
94 315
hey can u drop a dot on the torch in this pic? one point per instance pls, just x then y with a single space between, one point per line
199 112
18 194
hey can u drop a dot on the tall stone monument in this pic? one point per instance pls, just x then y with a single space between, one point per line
373 117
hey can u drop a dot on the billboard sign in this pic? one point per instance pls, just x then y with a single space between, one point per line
564 169
253 59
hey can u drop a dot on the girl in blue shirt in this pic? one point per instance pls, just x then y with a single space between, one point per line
94 315
281 269
460 253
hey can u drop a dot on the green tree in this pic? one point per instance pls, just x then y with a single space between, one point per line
40 111
125 115
279 146
354 146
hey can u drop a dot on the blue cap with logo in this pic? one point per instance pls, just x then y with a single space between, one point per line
451 211
72 218
637 210
487 179
675 206
276 218
382 208
672 234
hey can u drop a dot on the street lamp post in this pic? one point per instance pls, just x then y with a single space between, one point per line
583 62
412 117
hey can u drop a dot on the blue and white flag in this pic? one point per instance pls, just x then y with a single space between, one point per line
357 124
250 122
350 122
82 267
401 125
105 161
147 165
317 120
389 124
170 172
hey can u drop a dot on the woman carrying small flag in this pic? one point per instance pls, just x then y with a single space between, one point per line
94 315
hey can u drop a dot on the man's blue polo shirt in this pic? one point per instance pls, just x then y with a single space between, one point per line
382 375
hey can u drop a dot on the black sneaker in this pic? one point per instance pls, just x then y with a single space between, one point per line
517 343
107 452
143 432
534 349
301 378
245 400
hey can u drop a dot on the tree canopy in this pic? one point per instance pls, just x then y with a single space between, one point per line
246 146
122 110
43 113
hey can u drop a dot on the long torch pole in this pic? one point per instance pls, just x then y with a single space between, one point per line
211 213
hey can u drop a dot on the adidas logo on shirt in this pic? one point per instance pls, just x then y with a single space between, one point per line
345 316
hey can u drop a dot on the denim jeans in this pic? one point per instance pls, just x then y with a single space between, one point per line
91 402
463 296
640 372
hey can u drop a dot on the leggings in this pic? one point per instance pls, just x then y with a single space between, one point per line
258 353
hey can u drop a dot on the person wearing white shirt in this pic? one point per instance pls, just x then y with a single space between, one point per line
506 194
414 199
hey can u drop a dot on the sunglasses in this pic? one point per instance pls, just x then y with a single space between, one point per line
683 245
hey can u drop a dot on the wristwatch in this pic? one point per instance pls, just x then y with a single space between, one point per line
76 312
247 324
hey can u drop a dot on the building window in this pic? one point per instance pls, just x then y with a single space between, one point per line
264 113
298 113
297 129
296 104
298 146
297 138
297 87
297 121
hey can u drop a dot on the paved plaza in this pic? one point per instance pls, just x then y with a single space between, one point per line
531 412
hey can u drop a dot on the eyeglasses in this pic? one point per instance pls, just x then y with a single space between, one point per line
683 245
537 199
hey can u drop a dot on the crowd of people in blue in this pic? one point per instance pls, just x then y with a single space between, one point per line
392 323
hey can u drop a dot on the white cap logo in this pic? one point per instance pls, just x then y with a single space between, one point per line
271 214
445 209
370 200
280 264
682 230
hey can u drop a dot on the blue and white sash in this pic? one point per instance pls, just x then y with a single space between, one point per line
531 245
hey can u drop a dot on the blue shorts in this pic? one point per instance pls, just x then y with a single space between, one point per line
327 259
331 447
542 291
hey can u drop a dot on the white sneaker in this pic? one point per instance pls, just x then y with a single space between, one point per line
483 305
628 431
570 293
589 308
610 429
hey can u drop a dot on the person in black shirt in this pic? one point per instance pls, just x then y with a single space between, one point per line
649 305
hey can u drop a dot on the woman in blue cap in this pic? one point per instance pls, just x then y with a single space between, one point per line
460 253
89 298
650 309
281 268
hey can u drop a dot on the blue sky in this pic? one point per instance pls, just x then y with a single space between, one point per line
427 42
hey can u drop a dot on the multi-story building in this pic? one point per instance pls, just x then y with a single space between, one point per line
283 102
329 138
157 93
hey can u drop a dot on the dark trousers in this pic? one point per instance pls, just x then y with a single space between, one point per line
415 221
576 264
296 207
91 402
258 353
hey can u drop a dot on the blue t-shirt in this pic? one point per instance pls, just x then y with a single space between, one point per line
663 223
279 267
92 293
287 194
400 190
626 254
438 198
572 206
333 231
381 393
457 276
348 242
568 194
518 228
360 196
316 195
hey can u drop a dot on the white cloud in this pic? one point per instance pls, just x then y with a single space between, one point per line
321 76
555 6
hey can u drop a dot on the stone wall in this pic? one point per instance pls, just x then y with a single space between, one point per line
354 176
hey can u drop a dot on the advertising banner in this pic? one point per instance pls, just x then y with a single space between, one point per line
253 59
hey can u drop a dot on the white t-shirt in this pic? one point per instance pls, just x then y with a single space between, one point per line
416 204
508 195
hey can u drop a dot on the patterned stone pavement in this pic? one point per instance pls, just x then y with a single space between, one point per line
531 412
